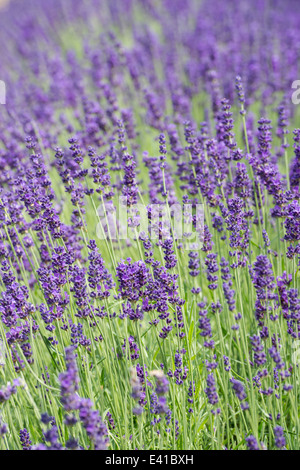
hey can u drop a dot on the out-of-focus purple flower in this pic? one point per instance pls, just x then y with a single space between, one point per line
279 437
252 443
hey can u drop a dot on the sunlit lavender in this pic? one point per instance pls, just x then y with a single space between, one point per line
149 225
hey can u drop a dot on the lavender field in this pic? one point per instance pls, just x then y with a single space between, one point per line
150 225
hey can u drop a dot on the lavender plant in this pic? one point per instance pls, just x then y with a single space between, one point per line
117 330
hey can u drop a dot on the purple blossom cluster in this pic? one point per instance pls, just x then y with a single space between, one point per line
133 323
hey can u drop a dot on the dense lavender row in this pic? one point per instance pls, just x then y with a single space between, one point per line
135 342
